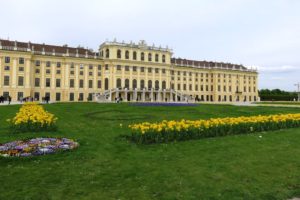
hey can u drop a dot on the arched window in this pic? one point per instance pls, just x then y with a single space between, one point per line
119 84
163 58
134 84
106 84
142 56
142 84
149 57
134 55
164 85
149 84
127 83
107 53
119 53
126 54
156 57
157 85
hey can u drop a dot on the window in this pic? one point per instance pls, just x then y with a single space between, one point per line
47 71
149 70
119 84
36 96
134 84
90 67
90 73
72 72
149 84
57 96
72 65
156 70
107 53
21 61
134 68
142 56
156 57
142 84
37 82
48 82
58 64
80 83
142 69
106 67
71 98
81 66
164 85
119 53
134 55
6 68
37 71
7 59
6 81
57 82
20 96
126 54
163 71
20 81
48 64
178 86
127 83
37 63
163 58
81 73
149 57
126 68
99 67
90 83
119 67
106 84
21 69
99 84
72 83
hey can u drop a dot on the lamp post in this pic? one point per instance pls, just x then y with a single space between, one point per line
298 90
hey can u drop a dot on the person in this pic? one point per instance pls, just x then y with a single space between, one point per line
9 99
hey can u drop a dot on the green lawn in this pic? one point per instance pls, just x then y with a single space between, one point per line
107 166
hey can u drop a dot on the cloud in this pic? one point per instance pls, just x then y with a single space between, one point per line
278 69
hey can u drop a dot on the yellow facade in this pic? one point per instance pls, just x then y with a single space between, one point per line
76 74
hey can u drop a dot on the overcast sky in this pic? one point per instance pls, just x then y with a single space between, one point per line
261 33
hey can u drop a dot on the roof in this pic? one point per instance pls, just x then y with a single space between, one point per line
210 64
46 47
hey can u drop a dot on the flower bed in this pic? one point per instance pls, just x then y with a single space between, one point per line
33 117
167 131
36 147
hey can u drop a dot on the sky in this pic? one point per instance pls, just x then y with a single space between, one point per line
262 34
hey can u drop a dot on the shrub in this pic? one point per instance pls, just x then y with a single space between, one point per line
167 131
32 117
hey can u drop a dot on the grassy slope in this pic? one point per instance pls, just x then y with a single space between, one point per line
106 166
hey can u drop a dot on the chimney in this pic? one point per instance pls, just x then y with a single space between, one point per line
77 55
53 52
16 46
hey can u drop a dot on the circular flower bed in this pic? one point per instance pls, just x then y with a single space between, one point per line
36 147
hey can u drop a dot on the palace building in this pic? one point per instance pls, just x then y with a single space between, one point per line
129 71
